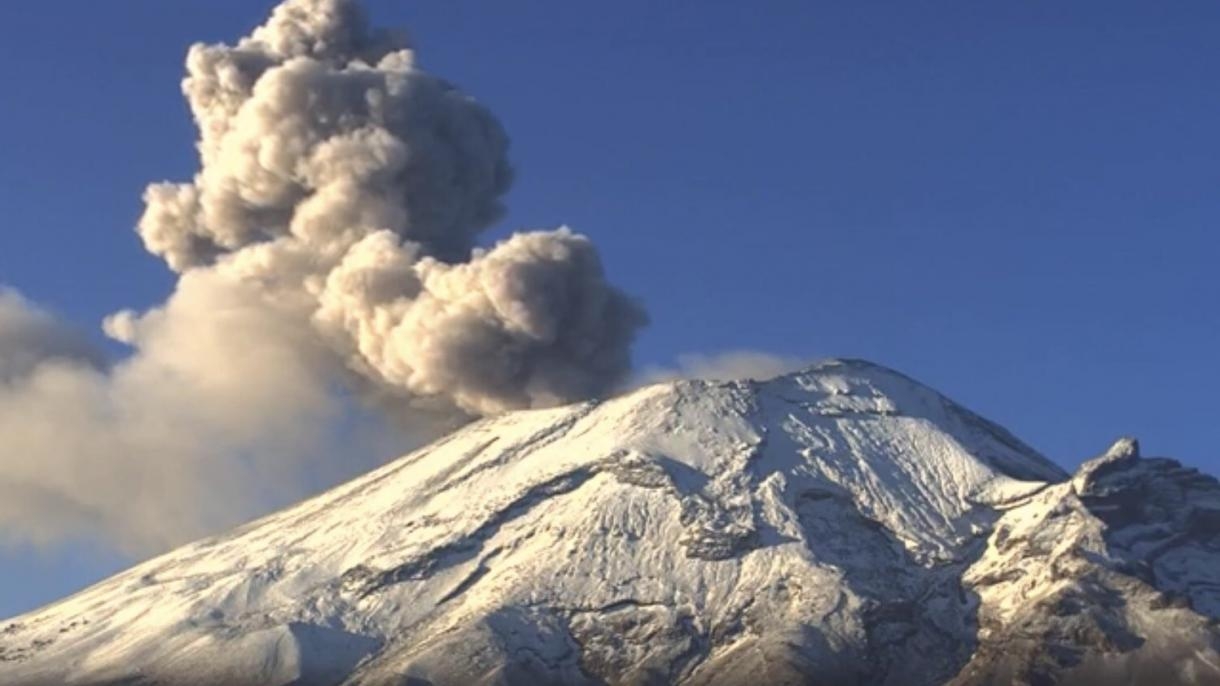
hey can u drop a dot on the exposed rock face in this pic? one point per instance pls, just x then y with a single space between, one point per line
841 525
1110 578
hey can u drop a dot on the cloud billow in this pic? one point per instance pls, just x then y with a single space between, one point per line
352 186
327 248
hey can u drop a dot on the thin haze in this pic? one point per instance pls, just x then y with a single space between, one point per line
326 249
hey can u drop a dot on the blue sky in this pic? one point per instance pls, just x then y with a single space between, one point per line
1012 202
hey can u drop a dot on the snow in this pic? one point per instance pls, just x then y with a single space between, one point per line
843 518
1115 570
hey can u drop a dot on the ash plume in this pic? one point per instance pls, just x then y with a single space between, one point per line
351 186
327 249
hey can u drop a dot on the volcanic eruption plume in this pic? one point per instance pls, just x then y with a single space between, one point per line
328 244
350 186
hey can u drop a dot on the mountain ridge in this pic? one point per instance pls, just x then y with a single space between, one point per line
842 522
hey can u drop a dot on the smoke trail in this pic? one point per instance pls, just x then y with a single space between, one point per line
215 415
326 246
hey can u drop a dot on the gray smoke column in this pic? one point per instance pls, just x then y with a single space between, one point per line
328 261
351 186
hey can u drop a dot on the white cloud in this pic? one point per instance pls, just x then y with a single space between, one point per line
727 366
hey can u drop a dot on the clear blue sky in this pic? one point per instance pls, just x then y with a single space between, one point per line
1013 202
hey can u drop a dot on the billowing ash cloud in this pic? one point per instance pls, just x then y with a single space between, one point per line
351 186
327 249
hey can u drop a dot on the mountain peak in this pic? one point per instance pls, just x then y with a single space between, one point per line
1127 447
845 387
1122 454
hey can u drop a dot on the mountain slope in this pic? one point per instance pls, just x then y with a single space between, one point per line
843 525
1110 578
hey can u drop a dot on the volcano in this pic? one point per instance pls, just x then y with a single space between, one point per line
840 525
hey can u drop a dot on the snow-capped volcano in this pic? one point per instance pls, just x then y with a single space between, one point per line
840 525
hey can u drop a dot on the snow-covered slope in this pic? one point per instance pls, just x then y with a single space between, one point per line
839 525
